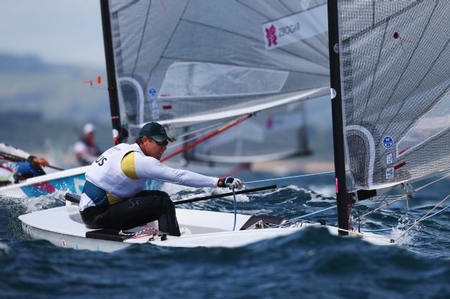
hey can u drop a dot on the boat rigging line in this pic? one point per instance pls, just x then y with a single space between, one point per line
426 216
235 209
214 133
387 200
289 177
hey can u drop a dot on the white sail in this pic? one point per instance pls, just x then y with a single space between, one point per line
395 89
203 63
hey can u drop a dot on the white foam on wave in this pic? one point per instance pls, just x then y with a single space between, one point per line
32 204
4 247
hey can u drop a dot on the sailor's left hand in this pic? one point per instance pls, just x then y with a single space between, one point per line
230 182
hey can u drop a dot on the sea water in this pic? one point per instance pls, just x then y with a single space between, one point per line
307 264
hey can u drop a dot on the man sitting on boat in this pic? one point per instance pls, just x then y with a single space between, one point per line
86 149
113 198
20 165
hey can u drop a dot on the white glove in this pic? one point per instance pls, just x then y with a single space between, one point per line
233 183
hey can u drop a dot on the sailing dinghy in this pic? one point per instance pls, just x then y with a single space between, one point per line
390 85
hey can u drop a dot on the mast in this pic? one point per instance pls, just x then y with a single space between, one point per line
118 133
337 119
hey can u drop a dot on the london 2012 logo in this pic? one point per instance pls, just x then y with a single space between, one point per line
271 35
297 27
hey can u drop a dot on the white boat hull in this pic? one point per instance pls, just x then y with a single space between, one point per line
63 227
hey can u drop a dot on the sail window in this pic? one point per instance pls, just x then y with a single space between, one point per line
434 122
185 80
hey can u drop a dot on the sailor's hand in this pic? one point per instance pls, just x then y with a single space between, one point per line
230 182
41 161
38 160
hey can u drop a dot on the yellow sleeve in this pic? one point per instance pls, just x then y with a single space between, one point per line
128 166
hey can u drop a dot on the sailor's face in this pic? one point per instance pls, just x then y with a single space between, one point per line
153 148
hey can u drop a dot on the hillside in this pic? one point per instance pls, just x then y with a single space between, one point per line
56 91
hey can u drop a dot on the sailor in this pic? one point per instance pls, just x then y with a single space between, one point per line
20 165
86 149
113 195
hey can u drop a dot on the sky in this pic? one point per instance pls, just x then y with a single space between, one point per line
58 31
